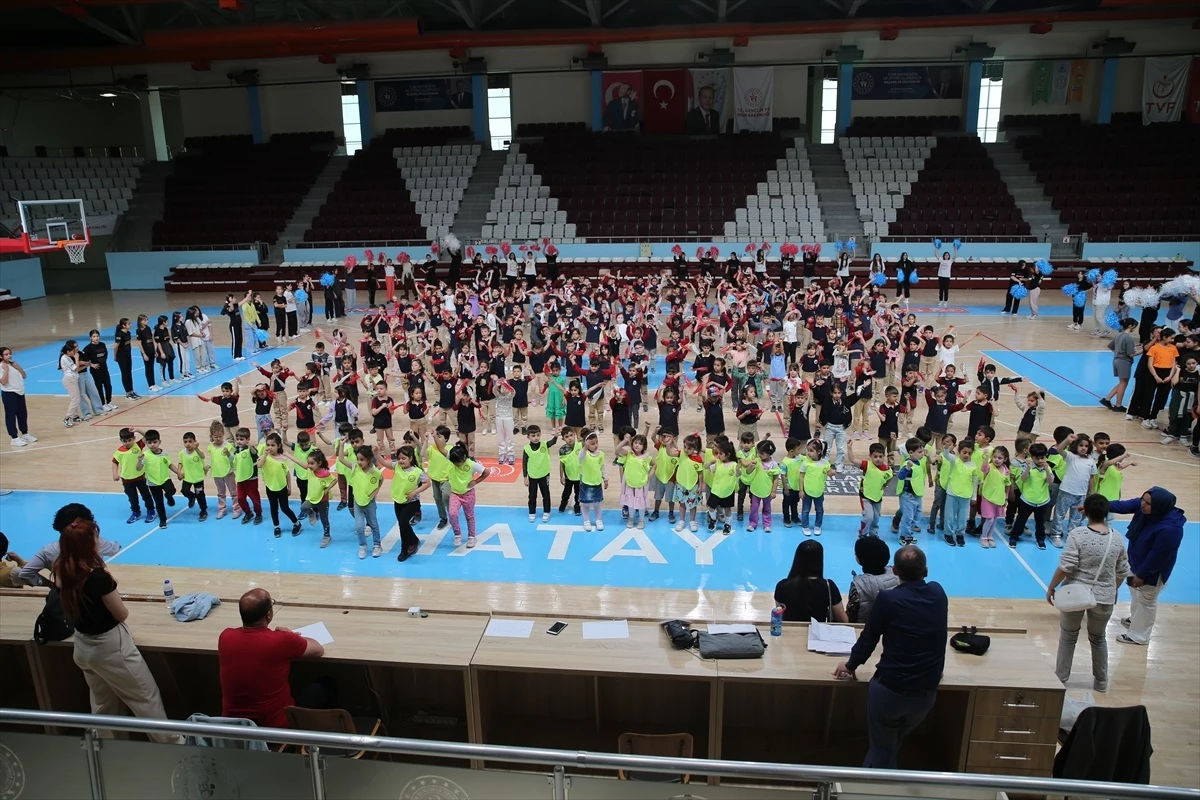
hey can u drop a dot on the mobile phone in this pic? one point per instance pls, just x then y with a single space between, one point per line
556 628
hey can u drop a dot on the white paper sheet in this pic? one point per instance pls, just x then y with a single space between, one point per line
736 627
509 628
834 640
317 632
607 629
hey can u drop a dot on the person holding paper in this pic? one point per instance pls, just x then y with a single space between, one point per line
255 662
911 619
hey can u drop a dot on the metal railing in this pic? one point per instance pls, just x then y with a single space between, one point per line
823 777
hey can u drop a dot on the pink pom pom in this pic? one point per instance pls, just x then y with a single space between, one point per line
351 262
677 250
505 248
750 248
470 252
435 248
318 332
766 247
382 257
370 256
491 250
524 248
713 252
551 250
546 242
699 252
403 257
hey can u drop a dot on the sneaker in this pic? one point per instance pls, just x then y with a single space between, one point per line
949 539
342 506
1056 541
654 515
203 516
135 396
1120 409
725 529
221 513
545 516
156 388
377 550
247 519
624 512
403 555
162 524
29 437
628 522
817 531
278 533
84 418
679 526
670 516
1127 622
1100 686
587 526
641 524
1104 401
599 524
1168 439
766 528
960 541
1041 544
67 423
693 526
258 519
240 358
805 531
362 551
1124 639
472 541
296 528
712 524
787 523
325 540
1149 424
150 516
134 517
442 525
577 511
19 442
751 528
458 540
532 517
740 516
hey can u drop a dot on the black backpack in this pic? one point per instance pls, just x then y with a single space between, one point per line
52 624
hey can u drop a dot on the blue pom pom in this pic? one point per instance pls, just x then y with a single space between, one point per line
1019 292
1113 320
327 280
957 243
1043 266
262 336
1109 279
1093 275
937 244
901 277
1070 290
851 245
301 296
1080 299
879 279
838 245
912 277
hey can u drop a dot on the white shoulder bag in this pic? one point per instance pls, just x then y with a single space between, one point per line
1078 596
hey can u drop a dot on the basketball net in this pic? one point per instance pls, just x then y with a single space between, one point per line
75 251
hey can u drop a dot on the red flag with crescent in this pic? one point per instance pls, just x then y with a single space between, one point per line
665 104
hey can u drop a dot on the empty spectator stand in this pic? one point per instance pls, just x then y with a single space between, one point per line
1016 123
784 206
903 126
959 192
882 170
228 190
373 202
522 207
436 177
624 186
8 300
105 185
1122 179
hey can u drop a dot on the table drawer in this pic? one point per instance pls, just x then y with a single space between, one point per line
1023 729
1018 703
1010 755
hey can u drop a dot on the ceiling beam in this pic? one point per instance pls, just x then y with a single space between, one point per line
709 8
130 24
735 6
855 5
608 12
577 9
209 13
460 10
495 12
85 18
722 10
593 8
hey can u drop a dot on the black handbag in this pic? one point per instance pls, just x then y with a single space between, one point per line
680 633
970 640
52 624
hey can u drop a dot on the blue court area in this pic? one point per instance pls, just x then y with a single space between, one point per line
1077 378
512 550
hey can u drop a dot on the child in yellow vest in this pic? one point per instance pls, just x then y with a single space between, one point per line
688 480
568 469
876 474
535 467
790 479
764 483
815 470
272 464
130 469
962 479
592 480
465 475
722 484
993 494
635 476
220 460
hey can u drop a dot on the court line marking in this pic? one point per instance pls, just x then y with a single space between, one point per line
144 536
1025 564
1052 372
35 448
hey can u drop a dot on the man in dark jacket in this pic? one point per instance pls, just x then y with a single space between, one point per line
1154 535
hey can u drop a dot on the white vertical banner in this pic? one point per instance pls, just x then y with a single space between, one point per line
1059 81
1163 85
753 98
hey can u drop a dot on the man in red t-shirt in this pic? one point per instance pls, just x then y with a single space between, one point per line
256 660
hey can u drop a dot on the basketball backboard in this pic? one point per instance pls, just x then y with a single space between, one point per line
42 225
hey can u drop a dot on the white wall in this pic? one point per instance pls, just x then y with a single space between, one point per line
301 107
791 92
35 117
551 97
215 112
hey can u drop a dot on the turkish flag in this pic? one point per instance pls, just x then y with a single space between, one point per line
665 104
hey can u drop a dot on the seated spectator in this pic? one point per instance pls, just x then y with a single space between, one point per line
806 594
29 573
873 555
10 564
255 662
116 675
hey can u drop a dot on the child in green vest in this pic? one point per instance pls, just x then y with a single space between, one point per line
937 513
790 466
747 459
130 470
962 479
191 472
666 458
927 451
465 475
911 488
993 494
592 480
568 469
158 475
876 474
315 499
815 469
408 481
437 467
272 464
635 475
688 480
722 483
1110 471
764 482
245 473
535 467
1033 495
220 459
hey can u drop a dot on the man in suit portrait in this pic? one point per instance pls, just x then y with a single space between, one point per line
621 114
704 118
461 97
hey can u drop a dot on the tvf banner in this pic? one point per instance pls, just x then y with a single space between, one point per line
1164 87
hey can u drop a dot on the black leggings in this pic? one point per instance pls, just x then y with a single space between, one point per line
903 289
167 368
126 375
404 515
1162 391
542 485
235 332
1024 510
278 501
943 288
194 492
103 383
16 414
293 320
568 487
1076 314
134 489
148 365
158 493
280 322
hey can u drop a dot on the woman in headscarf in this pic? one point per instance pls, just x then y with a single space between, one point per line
1154 535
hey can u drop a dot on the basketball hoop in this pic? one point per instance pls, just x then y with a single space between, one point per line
75 250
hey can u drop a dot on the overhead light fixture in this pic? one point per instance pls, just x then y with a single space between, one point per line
108 93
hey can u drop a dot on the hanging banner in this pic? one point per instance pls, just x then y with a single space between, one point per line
1043 74
622 95
666 100
1059 82
1163 85
753 97
1078 82
1193 95
424 94
908 83
706 100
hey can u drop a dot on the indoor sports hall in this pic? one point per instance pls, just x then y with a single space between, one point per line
888 221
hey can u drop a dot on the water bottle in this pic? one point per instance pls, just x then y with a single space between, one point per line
168 593
777 620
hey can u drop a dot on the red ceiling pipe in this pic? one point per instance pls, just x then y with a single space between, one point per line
214 43
317 34
12 5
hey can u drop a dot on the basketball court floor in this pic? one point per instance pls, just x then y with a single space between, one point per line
556 568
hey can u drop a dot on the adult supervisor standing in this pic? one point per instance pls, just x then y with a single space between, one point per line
1154 535
912 621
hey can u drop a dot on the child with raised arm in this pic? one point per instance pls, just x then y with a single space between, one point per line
220 460
272 464
408 482
535 469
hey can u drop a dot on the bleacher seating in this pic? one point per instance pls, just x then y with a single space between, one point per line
784 205
8 300
902 126
629 186
882 170
1121 179
375 200
230 191
959 192
522 207
105 185
536 129
1039 122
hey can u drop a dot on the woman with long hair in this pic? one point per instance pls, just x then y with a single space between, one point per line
70 377
114 670
806 593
